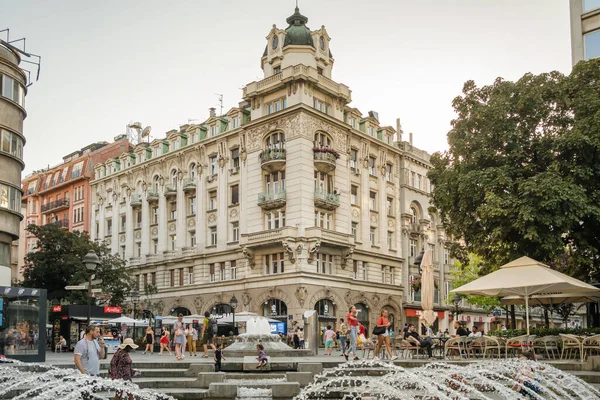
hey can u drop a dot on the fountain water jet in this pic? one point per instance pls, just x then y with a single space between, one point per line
258 330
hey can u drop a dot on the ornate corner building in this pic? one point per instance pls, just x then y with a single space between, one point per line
12 113
291 201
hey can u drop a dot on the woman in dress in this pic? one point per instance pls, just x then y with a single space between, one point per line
120 366
149 340
179 340
383 324
164 342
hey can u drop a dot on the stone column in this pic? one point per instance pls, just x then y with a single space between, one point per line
116 224
162 221
181 217
201 212
222 208
145 227
365 218
129 230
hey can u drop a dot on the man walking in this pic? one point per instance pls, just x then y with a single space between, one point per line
88 352
342 331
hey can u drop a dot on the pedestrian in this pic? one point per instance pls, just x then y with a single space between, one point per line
121 366
362 330
179 340
149 340
207 332
296 339
164 342
301 337
217 357
383 335
262 357
192 337
329 335
88 352
352 323
343 330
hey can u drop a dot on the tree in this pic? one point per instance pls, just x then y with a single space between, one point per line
464 273
521 174
57 262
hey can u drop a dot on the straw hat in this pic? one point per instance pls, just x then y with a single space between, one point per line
128 342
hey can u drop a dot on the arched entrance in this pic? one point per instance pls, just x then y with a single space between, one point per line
221 309
180 310
326 313
363 315
276 309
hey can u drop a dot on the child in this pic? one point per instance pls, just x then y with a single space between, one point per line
262 357
329 335
217 357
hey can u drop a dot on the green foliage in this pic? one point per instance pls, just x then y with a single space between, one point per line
464 273
541 332
522 176
57 262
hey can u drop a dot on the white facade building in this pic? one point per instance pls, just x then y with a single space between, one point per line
292 201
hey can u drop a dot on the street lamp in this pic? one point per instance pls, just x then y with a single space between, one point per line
456 301
233 302
135 297
91 262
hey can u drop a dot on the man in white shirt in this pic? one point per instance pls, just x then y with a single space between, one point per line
88 352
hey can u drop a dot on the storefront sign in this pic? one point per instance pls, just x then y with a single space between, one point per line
56 308
411 312
113 310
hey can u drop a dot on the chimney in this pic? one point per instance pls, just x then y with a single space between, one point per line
399 129
410 138
212 111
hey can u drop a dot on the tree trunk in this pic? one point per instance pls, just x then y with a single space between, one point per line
546 318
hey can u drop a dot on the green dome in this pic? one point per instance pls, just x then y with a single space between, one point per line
298 33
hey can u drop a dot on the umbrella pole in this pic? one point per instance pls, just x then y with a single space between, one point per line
527 312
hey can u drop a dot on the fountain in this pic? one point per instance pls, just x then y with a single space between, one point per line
440 381
20 381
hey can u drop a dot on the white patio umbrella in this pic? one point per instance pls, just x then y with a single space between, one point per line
125 320
544 299
525 277
427 289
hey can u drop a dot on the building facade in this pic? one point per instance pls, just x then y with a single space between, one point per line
12 113
293 200
585 29
60 195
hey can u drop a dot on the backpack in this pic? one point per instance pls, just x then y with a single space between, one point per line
212 325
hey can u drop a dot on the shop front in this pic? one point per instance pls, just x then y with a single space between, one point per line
70 320
414 314
23 323
325 309
277 310
362 315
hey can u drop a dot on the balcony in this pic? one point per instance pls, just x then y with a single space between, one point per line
325 159
272 160
326 200
152 196
63 223
189 185
269 201
330 237
415 229
170 190
55 205
273 236
136 200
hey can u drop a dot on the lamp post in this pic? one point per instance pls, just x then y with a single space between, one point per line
456 301
135 297
91 262
233 302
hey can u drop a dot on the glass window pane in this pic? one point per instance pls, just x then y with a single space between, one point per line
4 196
6 141
590 5
7 87
592 45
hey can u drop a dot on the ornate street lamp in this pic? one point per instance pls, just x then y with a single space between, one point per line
91 262
233 302
456 301
135 297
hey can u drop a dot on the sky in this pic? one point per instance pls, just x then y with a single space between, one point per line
107 63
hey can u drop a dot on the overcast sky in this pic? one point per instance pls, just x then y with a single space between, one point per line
105 63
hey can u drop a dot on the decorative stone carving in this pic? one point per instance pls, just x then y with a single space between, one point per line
355 213
311 124
313 251
374 218
138 234
172 227
198 303
301 295
290 125
346 256
122 238
154 231
375 300
390 223
289 250
246 299
348 298
299 248
212 218
234 213
249 255
191 223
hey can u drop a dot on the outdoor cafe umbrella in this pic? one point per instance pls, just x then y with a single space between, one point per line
545 299
427 289
125 320
525 277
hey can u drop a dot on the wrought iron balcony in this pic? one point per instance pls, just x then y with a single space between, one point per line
55 205
136 200
269 201
189 185
326 200
272 160
170 190
152 196
325 159
63 223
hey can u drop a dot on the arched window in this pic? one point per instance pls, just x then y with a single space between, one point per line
413 215
180 310
275 308
174 177
192 171
221 309
362 313
275 141
325 308
322 140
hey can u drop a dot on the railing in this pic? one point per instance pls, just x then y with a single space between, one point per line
76 173
269 235
272 155
136 199
189 183
152 195
63 223
325 196
324 156
267 197
55 204
269 80
170 189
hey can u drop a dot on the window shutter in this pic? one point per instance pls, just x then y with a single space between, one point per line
212 269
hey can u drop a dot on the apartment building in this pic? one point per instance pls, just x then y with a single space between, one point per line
293 200
585 29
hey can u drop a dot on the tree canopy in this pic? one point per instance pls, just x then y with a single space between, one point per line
522 173
56 262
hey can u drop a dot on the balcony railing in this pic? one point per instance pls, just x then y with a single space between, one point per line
55 205
136 200
152 195
170 190
325 159
63 223
272 159
189 184
76 173
268 201
326 200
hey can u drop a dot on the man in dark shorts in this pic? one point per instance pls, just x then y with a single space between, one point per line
207 334
412 336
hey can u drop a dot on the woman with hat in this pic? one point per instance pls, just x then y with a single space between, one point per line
120 365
